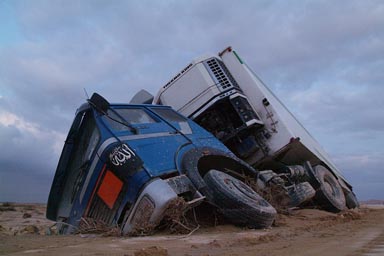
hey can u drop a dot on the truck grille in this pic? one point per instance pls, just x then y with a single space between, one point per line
220 73
101 212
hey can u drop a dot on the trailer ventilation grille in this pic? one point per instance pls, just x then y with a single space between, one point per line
221 73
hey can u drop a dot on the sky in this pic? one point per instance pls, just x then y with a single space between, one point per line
323 59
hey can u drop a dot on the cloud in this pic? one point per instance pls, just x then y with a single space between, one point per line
364 172
27 145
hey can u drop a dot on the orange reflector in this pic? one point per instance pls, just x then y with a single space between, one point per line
109 189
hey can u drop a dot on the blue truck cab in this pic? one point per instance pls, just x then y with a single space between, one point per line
124 164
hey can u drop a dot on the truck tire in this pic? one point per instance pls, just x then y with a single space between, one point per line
238 202
301 193
329 195
351 200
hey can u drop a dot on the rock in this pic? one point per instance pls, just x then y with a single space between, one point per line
27 215
2 229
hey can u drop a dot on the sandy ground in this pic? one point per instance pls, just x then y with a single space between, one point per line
23 231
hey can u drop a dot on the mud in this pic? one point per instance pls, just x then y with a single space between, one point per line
300 232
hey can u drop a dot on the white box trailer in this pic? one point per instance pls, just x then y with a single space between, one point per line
289 142
222 94
211 80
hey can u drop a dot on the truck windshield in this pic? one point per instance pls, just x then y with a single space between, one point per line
129 116
169 115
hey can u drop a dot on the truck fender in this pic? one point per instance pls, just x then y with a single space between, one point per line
198 161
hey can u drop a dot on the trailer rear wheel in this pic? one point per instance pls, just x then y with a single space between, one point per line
330 194
301 193
237 201
351 200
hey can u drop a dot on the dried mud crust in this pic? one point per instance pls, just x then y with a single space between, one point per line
152 251
22 219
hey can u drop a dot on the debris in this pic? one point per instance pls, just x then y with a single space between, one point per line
175 219
92 226
30 229
274 194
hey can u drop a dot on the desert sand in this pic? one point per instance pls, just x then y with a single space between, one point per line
25 231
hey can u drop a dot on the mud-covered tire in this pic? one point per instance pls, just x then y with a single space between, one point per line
238 202
351 200
329 195
301 193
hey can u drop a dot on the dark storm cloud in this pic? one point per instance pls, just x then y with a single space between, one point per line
324 59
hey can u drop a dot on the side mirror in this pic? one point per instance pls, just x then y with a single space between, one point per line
97 101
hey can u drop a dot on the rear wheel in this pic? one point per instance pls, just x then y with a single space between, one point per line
351 200
301 193
237 201
329 195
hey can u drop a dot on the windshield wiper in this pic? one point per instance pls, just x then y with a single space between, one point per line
123 122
